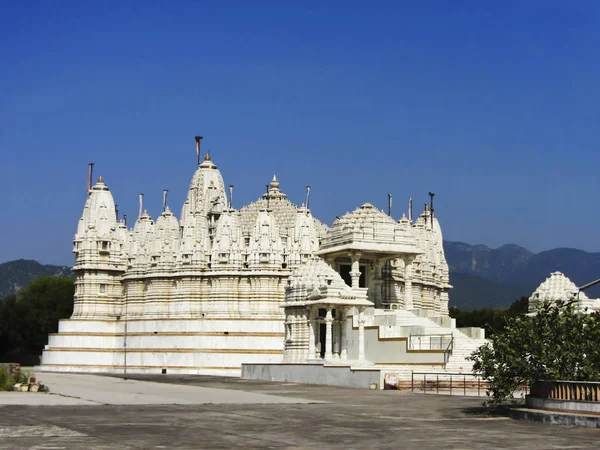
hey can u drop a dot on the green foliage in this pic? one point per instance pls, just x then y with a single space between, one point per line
8 380
27 318
492 320
555 344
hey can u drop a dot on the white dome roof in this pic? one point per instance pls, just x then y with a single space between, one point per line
557 287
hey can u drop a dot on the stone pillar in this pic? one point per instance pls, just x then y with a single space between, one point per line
311 336
376 284
336 338
328 335
343 336
408 299
318 338
355 270
361 334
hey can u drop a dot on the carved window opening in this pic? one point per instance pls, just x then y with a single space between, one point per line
104 246
102 288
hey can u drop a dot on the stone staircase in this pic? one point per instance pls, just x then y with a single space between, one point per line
463 345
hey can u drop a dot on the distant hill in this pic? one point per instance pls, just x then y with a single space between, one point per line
472 292
482 276
15 275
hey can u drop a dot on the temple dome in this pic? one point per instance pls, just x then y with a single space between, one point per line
207 191
283 210
99 213
316 274
366 214
557 287
166 226
366 225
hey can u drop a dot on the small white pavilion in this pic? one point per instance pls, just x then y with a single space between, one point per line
317 301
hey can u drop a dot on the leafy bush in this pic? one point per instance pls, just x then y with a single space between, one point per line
556 343
8 380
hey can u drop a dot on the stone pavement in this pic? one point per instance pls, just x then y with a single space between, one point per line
350 418
76 389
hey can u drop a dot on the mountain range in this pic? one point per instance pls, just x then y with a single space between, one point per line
481 276
486 277
15 275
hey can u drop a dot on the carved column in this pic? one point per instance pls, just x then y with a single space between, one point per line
377 283
336 338
408 299
355 270
361 334
311 335
343 336
328 335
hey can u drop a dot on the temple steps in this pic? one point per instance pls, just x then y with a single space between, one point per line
463 345
216 346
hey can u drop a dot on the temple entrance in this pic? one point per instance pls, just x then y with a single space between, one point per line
322 339
345 274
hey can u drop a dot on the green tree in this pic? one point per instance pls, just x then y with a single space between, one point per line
45 300
493 320
27 319
556 343
11 314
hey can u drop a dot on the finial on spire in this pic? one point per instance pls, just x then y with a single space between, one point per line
207 157
100 180
274 183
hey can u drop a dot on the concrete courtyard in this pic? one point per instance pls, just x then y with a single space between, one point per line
189 412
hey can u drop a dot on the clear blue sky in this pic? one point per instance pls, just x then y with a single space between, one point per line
492 105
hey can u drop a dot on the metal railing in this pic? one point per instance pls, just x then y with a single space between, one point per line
448 351
452 383
588 391
431 341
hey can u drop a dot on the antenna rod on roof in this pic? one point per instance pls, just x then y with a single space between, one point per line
390 205
307 196
410 209
267 198
165 192
89 183
198 139
141 204
431 195
231 196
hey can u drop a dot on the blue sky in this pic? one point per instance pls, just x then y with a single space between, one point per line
492 105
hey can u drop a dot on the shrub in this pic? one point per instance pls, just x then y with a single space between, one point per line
557 343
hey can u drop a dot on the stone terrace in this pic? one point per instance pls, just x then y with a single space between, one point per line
351 418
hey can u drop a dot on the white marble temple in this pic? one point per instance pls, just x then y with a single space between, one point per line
204 293
558 287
